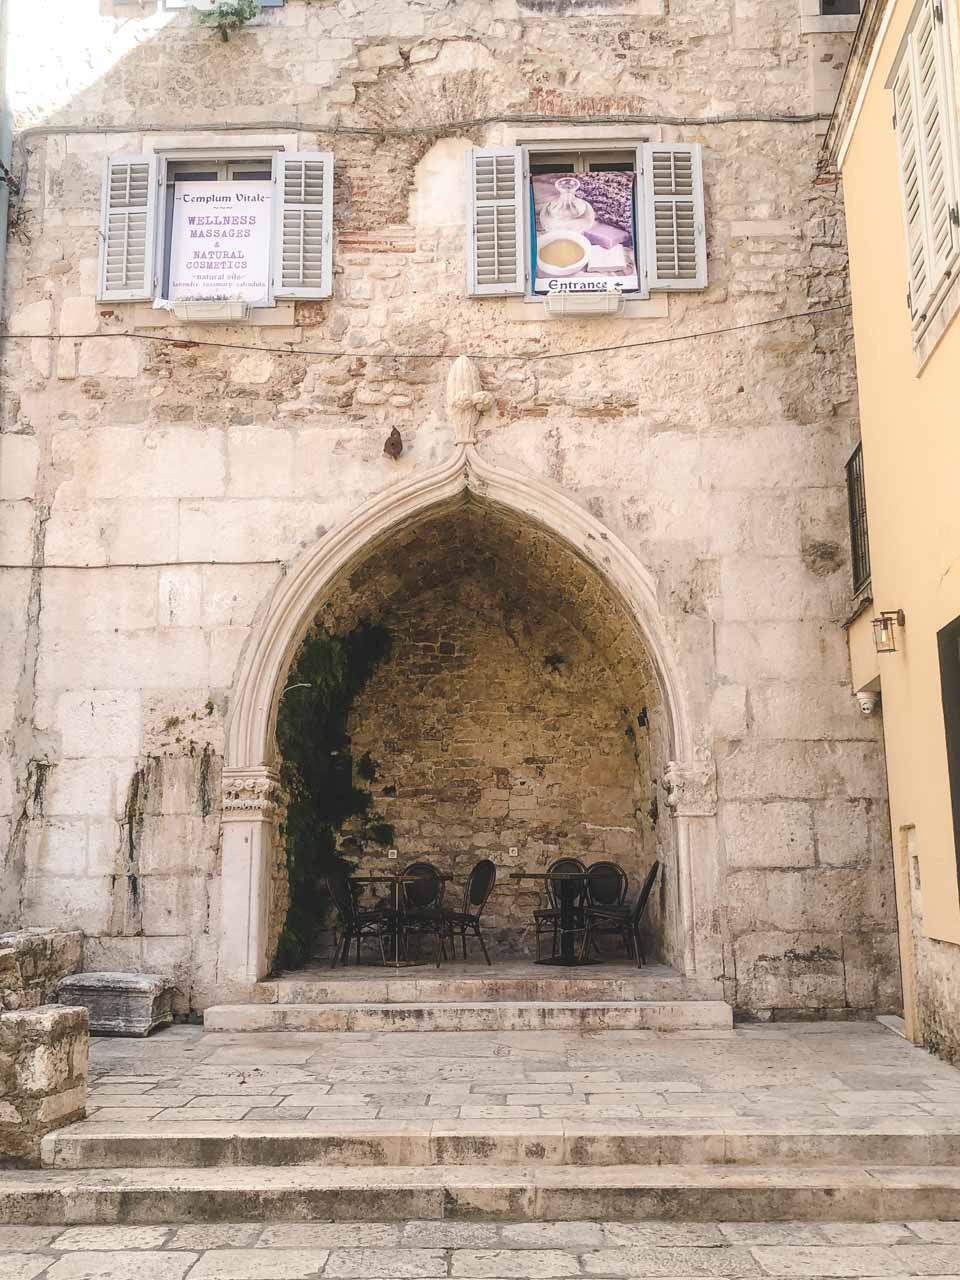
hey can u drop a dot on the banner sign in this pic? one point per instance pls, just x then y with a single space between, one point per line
585 231
221 241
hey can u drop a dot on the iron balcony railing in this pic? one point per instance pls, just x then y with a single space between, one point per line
859 535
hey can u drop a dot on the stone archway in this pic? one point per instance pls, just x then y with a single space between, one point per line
249 844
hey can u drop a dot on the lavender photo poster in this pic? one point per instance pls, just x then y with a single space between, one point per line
585 231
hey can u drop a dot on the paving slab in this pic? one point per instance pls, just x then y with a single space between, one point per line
417 1249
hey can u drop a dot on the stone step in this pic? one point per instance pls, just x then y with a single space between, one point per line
541 1143
866 1193
487 1015
387 986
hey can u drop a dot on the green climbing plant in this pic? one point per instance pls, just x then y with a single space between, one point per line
318 772
228 15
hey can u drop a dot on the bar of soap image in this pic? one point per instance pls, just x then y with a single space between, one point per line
613 259
602 234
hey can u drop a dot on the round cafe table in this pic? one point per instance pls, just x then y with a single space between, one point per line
395 880
568 896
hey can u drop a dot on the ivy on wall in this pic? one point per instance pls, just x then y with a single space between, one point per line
318 772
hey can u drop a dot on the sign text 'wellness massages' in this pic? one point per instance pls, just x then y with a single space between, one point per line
221 241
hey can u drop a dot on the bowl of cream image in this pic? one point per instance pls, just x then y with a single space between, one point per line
562 253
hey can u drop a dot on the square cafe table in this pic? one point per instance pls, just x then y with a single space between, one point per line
568 915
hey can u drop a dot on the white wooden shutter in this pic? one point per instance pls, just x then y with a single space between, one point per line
495 220
911 188
303 225
936 142
675 231
926 144
128 228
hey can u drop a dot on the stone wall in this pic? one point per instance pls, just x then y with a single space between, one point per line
156 491
938 992
484 737
43 1076
32 961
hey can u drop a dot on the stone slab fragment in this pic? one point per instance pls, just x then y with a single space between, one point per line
120 1004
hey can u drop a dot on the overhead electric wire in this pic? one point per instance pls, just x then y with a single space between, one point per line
187 343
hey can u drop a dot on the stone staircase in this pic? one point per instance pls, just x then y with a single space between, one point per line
814 1124
242 1173
656 998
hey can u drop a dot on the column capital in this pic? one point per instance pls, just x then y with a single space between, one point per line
250 794
691 787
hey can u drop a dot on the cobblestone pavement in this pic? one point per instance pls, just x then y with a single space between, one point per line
542 1251
828 1074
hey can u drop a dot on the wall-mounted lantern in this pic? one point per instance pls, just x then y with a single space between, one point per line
885 630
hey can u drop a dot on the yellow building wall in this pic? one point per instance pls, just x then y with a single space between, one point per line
911 446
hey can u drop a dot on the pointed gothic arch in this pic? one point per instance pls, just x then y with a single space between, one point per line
250 778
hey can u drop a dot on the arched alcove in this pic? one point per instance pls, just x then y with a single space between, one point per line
516 555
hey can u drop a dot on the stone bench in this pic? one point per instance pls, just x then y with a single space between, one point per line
120 1004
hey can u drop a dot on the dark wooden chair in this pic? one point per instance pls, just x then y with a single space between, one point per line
547 920
479 887
623 922
354 923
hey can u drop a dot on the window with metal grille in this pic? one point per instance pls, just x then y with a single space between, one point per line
857 505
831 7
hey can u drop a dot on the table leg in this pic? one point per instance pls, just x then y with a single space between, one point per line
568 921
396 924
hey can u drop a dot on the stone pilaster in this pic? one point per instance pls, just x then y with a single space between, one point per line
250 800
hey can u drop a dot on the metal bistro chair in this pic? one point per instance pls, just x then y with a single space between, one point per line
355 923
624 923
547 920
421 901
479 887
607 885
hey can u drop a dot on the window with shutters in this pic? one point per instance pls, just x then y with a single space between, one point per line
547 219
925 119
142 229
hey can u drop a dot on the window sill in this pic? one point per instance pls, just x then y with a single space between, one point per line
815 25
861 603
147 317
633 309
925 345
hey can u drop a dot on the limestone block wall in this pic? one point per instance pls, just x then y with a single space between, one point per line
32 962
43 1076
481 744
155 492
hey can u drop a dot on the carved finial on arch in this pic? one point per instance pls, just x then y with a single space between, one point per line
466 399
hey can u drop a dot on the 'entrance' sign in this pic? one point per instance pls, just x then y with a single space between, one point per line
221 241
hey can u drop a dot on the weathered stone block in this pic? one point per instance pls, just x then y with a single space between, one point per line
772 833
43 1076
120 1004
32 962
18 466
790 970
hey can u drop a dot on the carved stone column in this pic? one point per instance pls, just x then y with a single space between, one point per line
249 829
690 788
